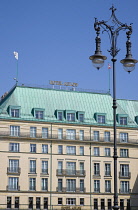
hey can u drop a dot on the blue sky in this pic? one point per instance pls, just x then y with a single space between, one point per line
54 39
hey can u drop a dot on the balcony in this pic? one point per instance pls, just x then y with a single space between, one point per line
64 137
124 175
12 188
65 189
11 170
67 172
125 191
97 174
96 190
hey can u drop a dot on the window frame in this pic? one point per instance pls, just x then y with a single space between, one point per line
15 108
70 118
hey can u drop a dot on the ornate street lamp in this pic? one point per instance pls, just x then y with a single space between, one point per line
128 64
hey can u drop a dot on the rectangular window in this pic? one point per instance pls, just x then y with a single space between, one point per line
59 201
124 186
123 120
60 149
33 166
13 183
71 185
30 206
124 137
60 133
81 117
60 116
44 167
107 169
124 170
97 186
45 133
14 130
32 184
33 132
39 114
121 204
71 150
96 135
33 148
95 204
109 202
45 148
96 151
71 168
9 202
107 152
71 117
101 119
107 186
70 201
44 185
38 201
15 113
128 204
46 203
106 136
16 203
81 150
14 147
13 166
60 167
81 168
123 152
81 135
102 204
81 185
97 169
71 134
59 185
81 201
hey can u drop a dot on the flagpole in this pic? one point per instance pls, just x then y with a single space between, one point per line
16 57
17 73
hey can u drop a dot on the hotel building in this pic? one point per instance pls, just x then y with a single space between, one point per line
56 150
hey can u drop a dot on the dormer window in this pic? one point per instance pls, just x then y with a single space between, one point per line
60 116
101 119
80 116
123 120
14 112
71 117
39 114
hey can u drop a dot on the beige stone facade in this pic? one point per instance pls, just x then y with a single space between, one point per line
75 171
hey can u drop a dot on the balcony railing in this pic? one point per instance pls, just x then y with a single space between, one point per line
124 175
125 191
67 172
96 190
11 170
65 189
56 136
12 188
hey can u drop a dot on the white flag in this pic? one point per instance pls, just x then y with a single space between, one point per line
15 55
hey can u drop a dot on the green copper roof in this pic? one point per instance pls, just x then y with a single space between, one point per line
50 100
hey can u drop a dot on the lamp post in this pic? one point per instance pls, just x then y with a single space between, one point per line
128 64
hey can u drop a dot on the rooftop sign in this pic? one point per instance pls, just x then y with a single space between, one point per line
51 82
